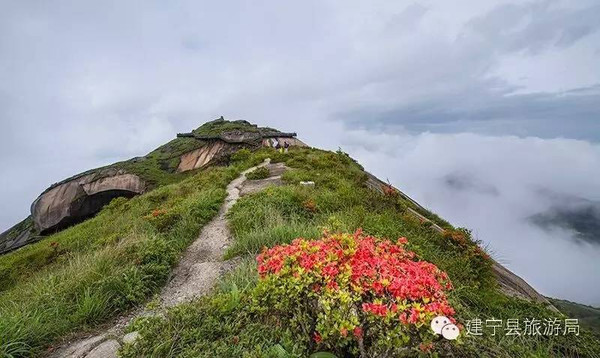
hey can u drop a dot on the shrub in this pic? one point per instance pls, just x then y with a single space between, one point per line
162 220
310 205
241 155
258 173
353 294
390 191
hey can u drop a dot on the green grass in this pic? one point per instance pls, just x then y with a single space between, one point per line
218 126
258 173
73 280
587 315
158 167
341 201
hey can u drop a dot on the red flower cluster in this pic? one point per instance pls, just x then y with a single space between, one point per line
390 191
385 278
158 212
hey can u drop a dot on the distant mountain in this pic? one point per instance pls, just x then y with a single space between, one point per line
587 315
579 215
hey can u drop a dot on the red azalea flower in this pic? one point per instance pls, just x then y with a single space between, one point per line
377 270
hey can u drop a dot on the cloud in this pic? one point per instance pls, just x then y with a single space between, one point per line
501 192
534 26
572 114
464 181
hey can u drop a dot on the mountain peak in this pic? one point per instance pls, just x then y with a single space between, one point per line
81 196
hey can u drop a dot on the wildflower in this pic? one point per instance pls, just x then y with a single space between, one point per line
426 347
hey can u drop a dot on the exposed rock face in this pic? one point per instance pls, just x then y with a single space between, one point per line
200 157
17 236
240 137
229 142
294 142
76 199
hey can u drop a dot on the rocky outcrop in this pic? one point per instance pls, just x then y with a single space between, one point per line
293 142
222 145
17 236
78 198
200 157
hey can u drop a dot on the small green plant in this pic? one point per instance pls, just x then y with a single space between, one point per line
258 173
241 155
163 220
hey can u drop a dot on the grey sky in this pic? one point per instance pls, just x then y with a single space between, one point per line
469 88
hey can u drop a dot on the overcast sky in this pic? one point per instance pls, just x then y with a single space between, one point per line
488 112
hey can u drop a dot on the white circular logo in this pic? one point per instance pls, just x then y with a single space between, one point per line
450 331
438 323
442 325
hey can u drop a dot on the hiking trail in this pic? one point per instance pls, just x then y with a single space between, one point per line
195 275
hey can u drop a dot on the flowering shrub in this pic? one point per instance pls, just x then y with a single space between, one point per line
461 239
162 219
354 293
389 191
158 212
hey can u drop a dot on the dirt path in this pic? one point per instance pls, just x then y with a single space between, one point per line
198 270
203 261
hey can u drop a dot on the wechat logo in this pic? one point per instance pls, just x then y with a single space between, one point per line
442 325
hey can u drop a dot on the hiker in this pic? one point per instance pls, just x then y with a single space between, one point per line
286 146
278 147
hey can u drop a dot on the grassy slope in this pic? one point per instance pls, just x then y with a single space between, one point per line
158 167
220 325
73 280
587 315
80 277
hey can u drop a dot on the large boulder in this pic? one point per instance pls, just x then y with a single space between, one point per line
78 198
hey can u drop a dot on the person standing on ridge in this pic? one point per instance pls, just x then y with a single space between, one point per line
286 146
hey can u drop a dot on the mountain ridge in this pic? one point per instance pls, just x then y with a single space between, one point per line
143 173
136 240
